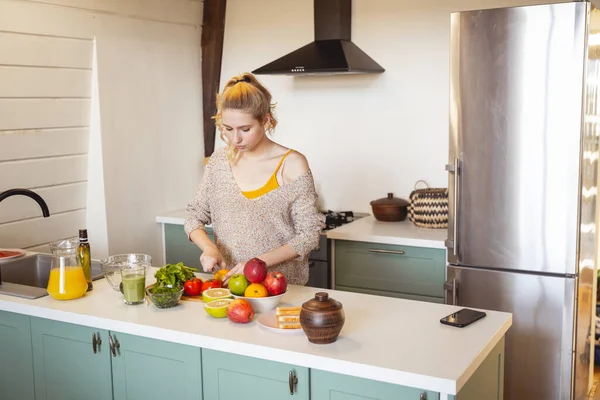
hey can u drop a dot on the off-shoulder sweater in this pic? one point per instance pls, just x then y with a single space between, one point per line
245 228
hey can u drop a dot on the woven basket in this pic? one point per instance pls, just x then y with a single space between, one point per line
429 207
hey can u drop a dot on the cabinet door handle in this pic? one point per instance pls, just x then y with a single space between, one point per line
117 346
386 251
96 341
293 380
423 396
111 345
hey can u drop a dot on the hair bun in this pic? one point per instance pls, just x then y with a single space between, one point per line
244 79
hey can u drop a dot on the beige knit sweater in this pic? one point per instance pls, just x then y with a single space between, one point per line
245 228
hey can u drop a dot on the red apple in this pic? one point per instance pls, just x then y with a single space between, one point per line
240 311
275 283
255 270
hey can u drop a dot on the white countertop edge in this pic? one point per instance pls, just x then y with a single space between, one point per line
175 217
426 382
170 220
401 241
482 355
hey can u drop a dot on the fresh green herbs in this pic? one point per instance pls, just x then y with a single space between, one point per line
171 278
156 289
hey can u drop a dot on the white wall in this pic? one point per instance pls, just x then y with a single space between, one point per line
364 135
149 109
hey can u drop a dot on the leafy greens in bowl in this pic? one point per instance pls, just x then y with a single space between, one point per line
164 296
168 289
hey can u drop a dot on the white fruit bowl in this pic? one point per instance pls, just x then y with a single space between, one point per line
262 304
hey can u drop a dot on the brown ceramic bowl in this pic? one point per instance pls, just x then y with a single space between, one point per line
322 319
390 208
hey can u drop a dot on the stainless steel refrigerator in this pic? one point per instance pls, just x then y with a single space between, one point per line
523 162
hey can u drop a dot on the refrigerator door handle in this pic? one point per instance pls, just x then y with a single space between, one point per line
453 244
452 286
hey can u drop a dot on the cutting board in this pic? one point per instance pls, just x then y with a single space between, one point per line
192 298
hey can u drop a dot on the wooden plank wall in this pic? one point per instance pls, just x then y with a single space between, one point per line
145 139
45 88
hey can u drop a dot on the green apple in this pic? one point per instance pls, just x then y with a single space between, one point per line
238 284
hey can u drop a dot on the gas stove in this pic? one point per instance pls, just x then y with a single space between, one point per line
319 272
335 219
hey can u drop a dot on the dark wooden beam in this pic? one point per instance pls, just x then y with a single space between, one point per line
213 29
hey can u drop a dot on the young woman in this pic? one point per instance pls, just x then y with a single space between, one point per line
258 196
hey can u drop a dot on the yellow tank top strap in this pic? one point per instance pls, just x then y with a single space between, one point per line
271 184
281 161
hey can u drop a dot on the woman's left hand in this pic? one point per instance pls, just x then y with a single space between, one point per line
238 269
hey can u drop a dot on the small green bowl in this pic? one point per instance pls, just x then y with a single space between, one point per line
164 300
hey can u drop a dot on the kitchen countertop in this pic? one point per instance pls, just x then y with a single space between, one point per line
173 217
404 233
384 339
366 229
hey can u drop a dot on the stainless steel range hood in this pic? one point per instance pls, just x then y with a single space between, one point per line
332 52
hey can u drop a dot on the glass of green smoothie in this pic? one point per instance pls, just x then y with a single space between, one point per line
134 283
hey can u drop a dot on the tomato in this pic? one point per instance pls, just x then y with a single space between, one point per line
211 284
193 287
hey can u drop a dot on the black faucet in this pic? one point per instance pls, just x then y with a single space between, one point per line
28 193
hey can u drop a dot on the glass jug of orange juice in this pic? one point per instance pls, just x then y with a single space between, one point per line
67 280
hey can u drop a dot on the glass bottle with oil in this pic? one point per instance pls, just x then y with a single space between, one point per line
83 252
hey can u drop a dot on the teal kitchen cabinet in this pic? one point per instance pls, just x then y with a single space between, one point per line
414 273
16 365
486 383
178 248
232 377
331 386
132 367
67 365
147 369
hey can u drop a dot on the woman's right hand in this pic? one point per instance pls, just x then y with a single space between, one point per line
211 258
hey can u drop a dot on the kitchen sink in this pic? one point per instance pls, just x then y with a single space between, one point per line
28 276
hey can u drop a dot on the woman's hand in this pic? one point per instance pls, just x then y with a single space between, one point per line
238 269
211 258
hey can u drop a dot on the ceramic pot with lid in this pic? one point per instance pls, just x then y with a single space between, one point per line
322 319
390 208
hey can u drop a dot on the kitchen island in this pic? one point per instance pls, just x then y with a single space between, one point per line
384 341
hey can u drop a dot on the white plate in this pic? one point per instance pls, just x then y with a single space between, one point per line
269 321
18 251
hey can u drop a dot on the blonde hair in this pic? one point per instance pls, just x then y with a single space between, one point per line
245 93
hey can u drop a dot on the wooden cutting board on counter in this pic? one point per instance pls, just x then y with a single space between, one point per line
192 298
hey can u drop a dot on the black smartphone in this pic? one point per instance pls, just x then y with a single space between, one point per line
462 318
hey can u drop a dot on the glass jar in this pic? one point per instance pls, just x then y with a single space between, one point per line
67 280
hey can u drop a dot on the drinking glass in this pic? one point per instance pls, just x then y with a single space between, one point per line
133 278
